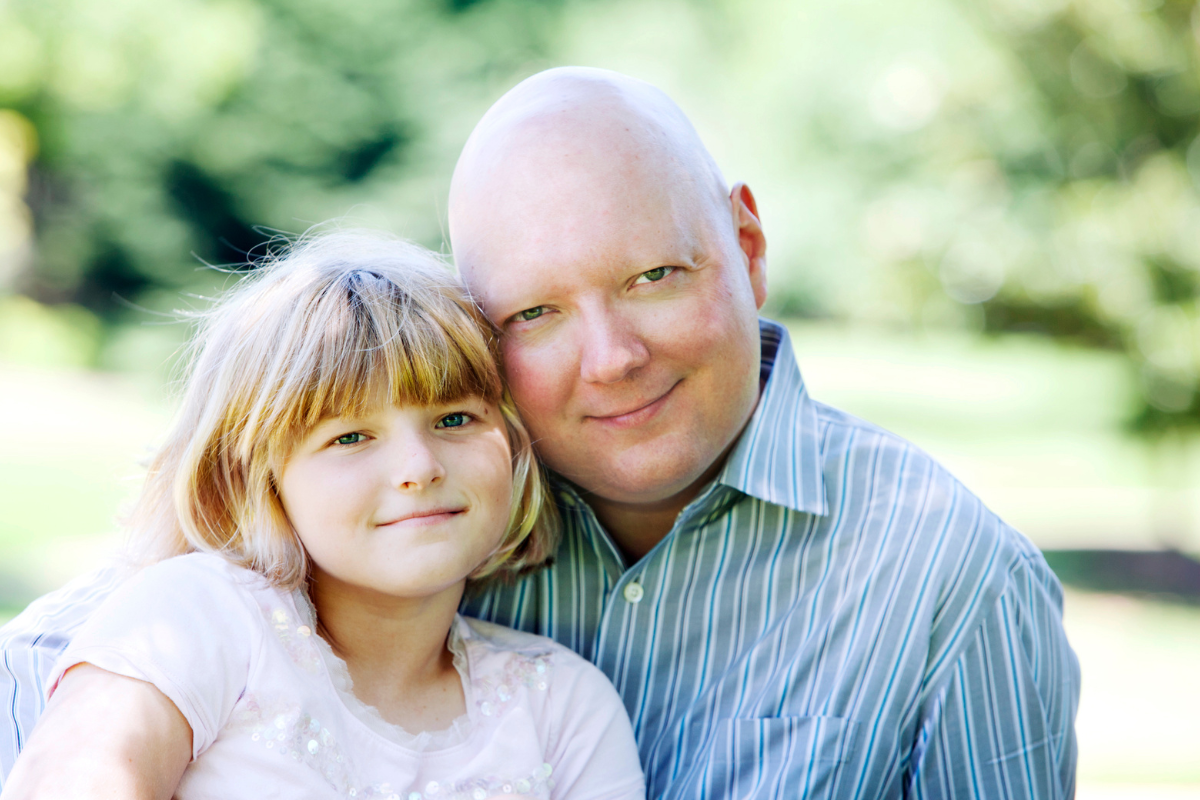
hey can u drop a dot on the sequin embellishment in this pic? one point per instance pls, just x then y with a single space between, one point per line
495 692
297 639
283 727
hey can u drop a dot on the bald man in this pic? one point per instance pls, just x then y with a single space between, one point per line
791 601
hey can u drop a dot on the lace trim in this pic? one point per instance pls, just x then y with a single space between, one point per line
339 675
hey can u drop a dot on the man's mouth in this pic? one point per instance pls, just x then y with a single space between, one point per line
638 415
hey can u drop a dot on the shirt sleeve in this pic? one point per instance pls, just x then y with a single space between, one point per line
30 645
183 625
591 746
1003 724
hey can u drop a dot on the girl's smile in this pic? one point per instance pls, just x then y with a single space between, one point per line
431 517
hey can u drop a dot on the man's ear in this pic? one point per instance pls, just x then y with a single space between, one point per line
751 239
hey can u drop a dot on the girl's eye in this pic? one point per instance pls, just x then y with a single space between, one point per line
653 275
456 420
529 314
350 438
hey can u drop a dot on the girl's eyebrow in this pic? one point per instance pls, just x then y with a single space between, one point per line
335 423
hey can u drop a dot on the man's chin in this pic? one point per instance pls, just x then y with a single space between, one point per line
649 487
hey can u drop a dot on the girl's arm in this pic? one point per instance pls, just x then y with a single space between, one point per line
103 736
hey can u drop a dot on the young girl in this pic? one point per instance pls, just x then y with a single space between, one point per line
344 461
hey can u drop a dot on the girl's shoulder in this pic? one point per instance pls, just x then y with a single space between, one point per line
488 642
189 625
207 573
198 563
503 660
190 589
579 719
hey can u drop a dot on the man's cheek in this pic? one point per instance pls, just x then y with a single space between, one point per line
537 399
535 370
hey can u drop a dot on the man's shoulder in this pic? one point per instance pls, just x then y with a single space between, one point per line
874 463
841 433
926 508
50 621
950 559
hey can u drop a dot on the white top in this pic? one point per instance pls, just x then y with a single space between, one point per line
273 715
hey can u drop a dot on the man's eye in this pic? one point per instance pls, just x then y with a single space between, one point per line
350 438
653 275
529 314
456 420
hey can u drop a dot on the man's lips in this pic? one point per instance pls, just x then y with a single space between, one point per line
429 516
637 415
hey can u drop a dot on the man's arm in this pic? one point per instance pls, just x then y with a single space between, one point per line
20 703
103 736
1003 725
30 646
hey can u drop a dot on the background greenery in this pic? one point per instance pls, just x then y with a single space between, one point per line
983 215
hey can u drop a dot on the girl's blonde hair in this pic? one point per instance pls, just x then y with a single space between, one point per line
338 323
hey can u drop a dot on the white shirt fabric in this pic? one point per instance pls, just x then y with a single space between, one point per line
273 714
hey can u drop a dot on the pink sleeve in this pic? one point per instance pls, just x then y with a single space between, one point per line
590 744
183 625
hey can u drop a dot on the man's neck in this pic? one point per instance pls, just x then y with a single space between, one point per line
634 529
637 527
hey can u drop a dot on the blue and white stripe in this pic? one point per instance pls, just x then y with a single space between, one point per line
834 616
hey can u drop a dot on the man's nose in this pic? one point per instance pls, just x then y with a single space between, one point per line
612 349
415 465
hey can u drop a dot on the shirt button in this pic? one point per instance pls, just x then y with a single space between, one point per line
633 592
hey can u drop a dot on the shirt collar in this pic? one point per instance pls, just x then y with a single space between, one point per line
778 456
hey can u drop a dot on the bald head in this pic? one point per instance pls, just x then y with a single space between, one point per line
582 138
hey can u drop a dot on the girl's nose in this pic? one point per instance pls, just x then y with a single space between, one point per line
417 466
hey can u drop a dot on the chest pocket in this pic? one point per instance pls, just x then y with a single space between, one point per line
778 756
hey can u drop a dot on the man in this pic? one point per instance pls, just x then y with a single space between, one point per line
791 601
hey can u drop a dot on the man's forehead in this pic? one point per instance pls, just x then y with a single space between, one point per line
572 207
535 264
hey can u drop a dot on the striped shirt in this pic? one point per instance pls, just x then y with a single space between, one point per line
834 616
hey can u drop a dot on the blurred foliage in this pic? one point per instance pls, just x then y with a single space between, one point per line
1118 87
1000 165
162 133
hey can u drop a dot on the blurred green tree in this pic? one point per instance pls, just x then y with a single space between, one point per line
173 131
1108 199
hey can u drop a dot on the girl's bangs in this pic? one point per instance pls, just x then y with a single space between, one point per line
394 347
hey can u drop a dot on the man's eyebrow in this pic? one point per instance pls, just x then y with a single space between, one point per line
518 301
